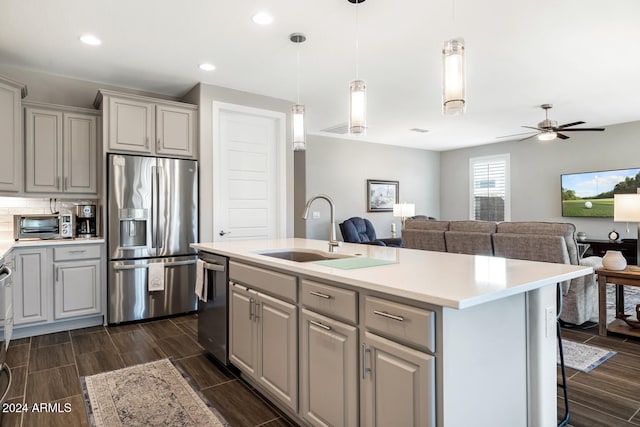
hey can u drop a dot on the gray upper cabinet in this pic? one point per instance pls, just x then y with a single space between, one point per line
138 124
11 165
61 149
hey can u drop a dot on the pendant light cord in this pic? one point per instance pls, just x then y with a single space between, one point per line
357 38
298 75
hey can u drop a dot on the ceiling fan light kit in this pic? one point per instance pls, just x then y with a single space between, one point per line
453 77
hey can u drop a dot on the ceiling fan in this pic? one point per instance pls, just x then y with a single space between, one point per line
548 130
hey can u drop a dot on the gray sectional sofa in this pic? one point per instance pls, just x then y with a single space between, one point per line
535 241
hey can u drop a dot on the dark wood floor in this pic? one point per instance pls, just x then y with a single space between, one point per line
609 395
47 369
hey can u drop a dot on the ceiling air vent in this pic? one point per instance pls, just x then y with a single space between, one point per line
419 130
341 129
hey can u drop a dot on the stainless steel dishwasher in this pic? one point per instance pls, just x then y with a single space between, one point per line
212 313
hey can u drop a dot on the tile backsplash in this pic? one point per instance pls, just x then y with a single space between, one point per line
10 206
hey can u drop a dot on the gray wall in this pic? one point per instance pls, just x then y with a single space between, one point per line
340 168
204 95
535 174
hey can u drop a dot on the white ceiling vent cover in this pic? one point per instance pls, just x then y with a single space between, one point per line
341 129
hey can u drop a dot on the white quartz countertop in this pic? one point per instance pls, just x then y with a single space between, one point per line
7 245
444 279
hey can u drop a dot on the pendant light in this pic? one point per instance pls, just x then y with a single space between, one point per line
453 77
298 133
357 94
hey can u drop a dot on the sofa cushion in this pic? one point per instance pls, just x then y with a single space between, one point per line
421 224
473 226
532 248
563 229
468 242
428 240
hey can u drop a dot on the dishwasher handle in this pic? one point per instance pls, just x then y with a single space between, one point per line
213 266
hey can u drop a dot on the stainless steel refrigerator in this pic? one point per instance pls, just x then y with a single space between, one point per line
152 211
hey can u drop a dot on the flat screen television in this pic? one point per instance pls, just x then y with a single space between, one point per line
590 194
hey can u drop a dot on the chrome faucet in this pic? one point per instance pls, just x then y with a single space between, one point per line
333 242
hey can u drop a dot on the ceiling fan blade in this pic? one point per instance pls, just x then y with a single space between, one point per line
529 137
531 127
561 136
566 125
515 134
582 129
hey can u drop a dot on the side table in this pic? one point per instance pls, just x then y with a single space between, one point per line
630 276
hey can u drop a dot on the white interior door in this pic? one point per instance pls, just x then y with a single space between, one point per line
249 179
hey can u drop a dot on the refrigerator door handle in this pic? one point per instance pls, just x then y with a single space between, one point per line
159 212
154 206
166 264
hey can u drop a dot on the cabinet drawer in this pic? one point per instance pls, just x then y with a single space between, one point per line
330 300
403 322
271 282
75 252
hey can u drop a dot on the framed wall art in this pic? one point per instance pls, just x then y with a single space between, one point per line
381 195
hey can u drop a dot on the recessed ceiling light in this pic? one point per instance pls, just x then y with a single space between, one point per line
90 39
207 67
262 18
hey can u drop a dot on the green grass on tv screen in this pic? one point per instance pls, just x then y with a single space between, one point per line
580 207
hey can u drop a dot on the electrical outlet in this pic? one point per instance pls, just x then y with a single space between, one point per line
315 215
550 321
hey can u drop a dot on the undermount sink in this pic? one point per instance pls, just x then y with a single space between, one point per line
303 255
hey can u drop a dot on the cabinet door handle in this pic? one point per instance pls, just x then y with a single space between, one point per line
57 274
252 308
320 325
78 251
318 294
256 316
388 316
364 361
58 182
146 142
158 142
66 182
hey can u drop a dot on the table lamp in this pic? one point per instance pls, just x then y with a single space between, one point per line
626 208
404 211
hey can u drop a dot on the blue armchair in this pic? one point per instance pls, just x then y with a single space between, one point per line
360 230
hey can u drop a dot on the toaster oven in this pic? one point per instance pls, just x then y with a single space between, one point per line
46 226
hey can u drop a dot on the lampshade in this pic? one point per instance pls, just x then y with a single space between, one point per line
453 77
547 136
357 107
626 207
404 210
298 132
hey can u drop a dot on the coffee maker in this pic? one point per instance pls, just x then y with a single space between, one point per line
85 221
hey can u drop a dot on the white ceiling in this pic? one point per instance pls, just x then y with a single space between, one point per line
583 56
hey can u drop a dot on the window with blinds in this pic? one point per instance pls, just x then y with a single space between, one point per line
489 188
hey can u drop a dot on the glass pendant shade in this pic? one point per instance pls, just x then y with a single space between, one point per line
547 136
298 131
357 107
453 77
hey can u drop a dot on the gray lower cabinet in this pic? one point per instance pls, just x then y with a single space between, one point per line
398 385
76 282
328 371
57 288
31 286
263 341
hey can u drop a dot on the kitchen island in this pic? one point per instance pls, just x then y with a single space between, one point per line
416 338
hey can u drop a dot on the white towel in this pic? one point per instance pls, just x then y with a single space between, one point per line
201 288
155 278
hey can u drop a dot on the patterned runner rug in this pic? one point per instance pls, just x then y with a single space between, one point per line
583 357
151 394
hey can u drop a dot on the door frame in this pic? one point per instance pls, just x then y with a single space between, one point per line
280 155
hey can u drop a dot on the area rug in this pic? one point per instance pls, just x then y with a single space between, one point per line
151 394
583 357
631 299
